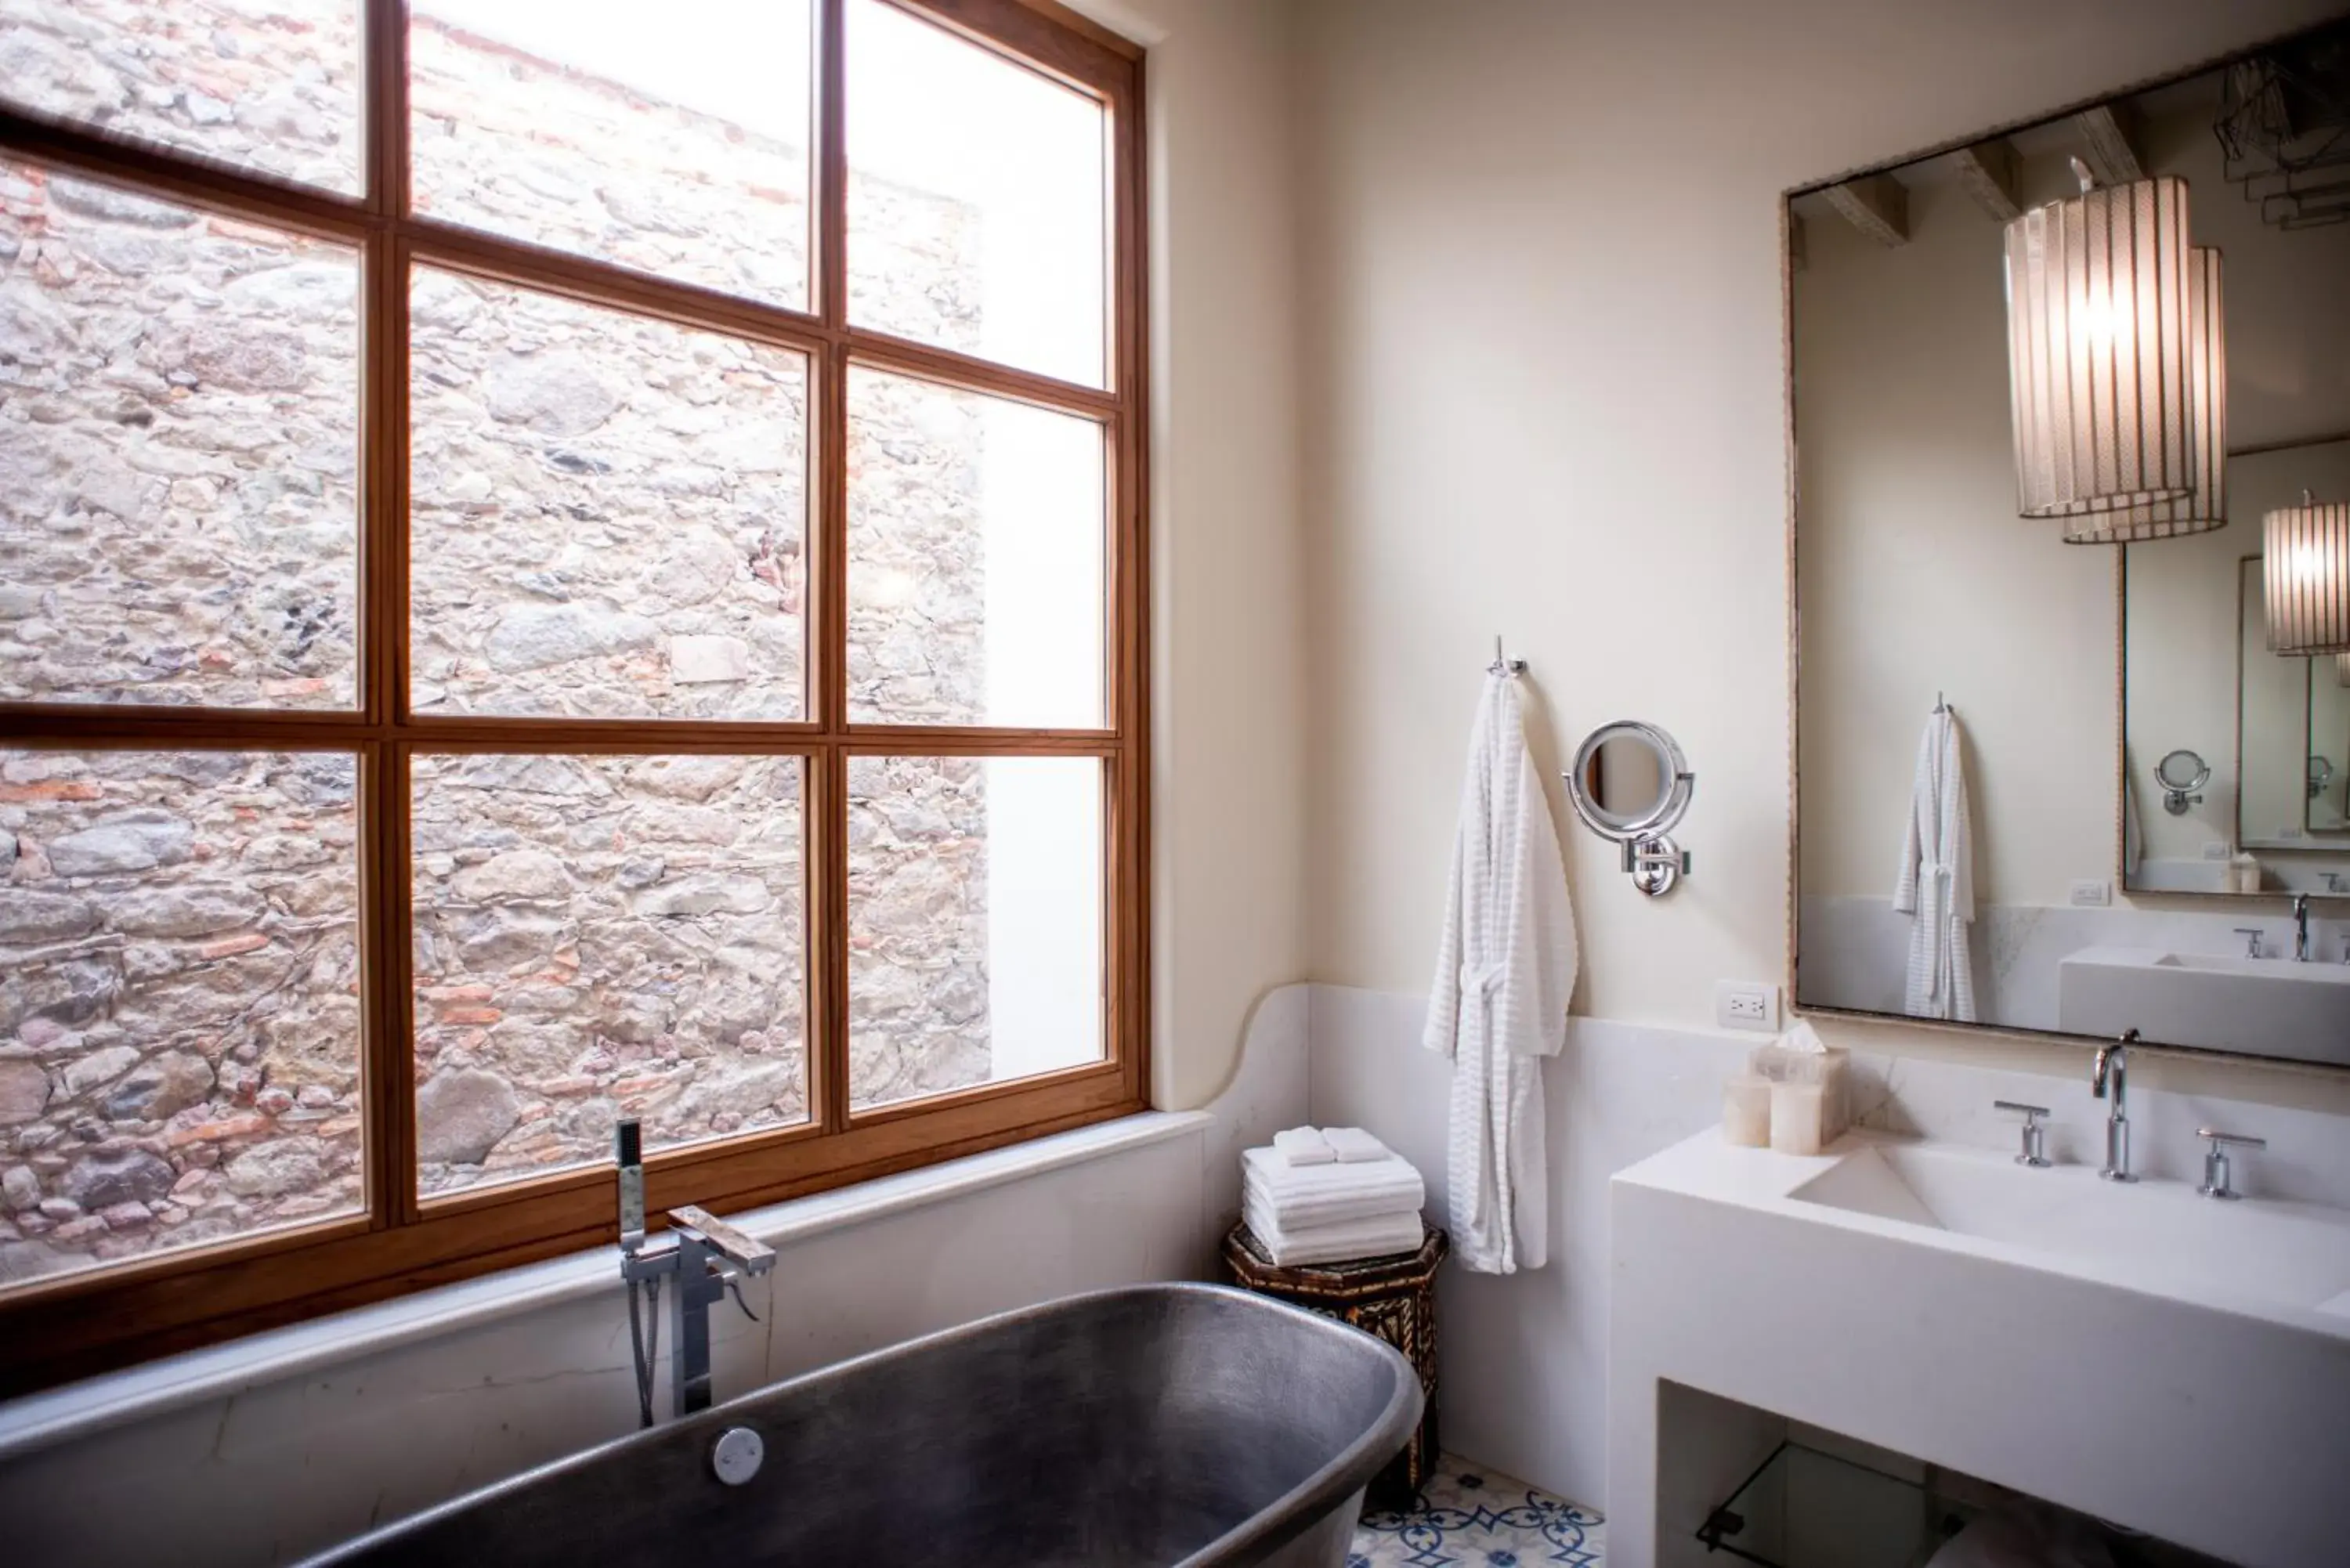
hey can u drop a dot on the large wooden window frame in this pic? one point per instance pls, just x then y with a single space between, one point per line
57 1329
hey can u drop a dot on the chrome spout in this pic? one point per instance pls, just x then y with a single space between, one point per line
2112 1066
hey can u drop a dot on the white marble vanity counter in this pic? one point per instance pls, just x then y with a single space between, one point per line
2286 1262
2165 1361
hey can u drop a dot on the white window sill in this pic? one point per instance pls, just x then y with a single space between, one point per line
140 1392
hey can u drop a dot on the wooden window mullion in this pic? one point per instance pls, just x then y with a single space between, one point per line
79 1323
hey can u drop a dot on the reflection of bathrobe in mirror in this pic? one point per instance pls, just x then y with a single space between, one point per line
1503 976
1937 888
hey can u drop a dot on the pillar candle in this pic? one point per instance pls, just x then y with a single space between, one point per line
1796 1117
1746 1111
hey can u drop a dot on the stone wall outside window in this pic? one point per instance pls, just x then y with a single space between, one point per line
179 965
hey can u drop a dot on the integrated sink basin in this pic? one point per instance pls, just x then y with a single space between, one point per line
2222 1001
2162 1234
2136 1352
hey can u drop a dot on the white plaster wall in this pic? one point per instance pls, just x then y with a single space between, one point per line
1523 1372
1542 373
1228 765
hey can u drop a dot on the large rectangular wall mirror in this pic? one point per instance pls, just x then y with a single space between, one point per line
2072 416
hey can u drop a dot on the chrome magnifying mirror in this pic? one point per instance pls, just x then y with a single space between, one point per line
1631 786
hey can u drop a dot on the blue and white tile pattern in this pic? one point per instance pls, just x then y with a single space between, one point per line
1476 1518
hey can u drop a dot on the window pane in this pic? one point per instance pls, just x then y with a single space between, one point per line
672 140
976 218
975 570
974 921
608 512
266 84
599 937
179 453
179 1000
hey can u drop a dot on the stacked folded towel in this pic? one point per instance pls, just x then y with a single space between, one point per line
1328 1195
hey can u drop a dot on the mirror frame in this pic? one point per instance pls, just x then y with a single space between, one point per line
1672 801
1790 262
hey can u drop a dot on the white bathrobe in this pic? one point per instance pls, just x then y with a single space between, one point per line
1936 886
1504 976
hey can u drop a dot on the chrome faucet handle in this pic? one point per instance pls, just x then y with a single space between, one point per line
2251 935
2035 1147
2215 1161
750 1256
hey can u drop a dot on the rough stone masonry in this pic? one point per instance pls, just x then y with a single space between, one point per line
608 519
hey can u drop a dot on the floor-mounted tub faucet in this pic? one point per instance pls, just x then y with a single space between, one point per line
2301 928
2112 1065
702 1257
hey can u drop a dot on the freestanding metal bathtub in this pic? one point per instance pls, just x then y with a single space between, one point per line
1175 1424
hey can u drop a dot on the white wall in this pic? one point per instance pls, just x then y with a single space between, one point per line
1227 807
1543 377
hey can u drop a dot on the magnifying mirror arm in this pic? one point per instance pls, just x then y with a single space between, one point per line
1655 862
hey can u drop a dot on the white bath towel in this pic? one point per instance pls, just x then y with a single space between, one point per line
1326 1194
1505 971
1937 885
1353 1146
1338 1244
1303 1145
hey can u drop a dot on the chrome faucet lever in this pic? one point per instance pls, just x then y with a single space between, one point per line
2215 1161
2112 1066
2035 1136
2251 935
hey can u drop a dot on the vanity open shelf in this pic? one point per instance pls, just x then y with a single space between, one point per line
1804 1505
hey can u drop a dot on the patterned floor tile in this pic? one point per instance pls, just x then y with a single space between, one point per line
1473 1516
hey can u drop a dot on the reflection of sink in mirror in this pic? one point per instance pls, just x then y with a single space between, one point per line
2161 1232
2222 1001
2269 967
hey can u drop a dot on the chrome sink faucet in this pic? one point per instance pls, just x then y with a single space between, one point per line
2112 1068
702 1257
2301 928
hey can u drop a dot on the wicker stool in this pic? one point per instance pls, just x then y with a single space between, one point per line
1393 1297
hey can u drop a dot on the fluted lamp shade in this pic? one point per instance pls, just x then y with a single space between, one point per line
2305 567
2099 328
2205 507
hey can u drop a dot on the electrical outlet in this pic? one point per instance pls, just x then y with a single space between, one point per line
2218 851
1746 1004
2092 894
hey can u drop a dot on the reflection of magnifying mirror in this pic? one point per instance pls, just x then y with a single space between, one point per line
2321 774
2181 773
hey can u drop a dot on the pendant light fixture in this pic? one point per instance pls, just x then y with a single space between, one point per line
2099 364
2206 507
2306 569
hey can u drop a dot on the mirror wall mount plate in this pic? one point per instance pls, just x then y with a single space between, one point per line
2182 774
1631 786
